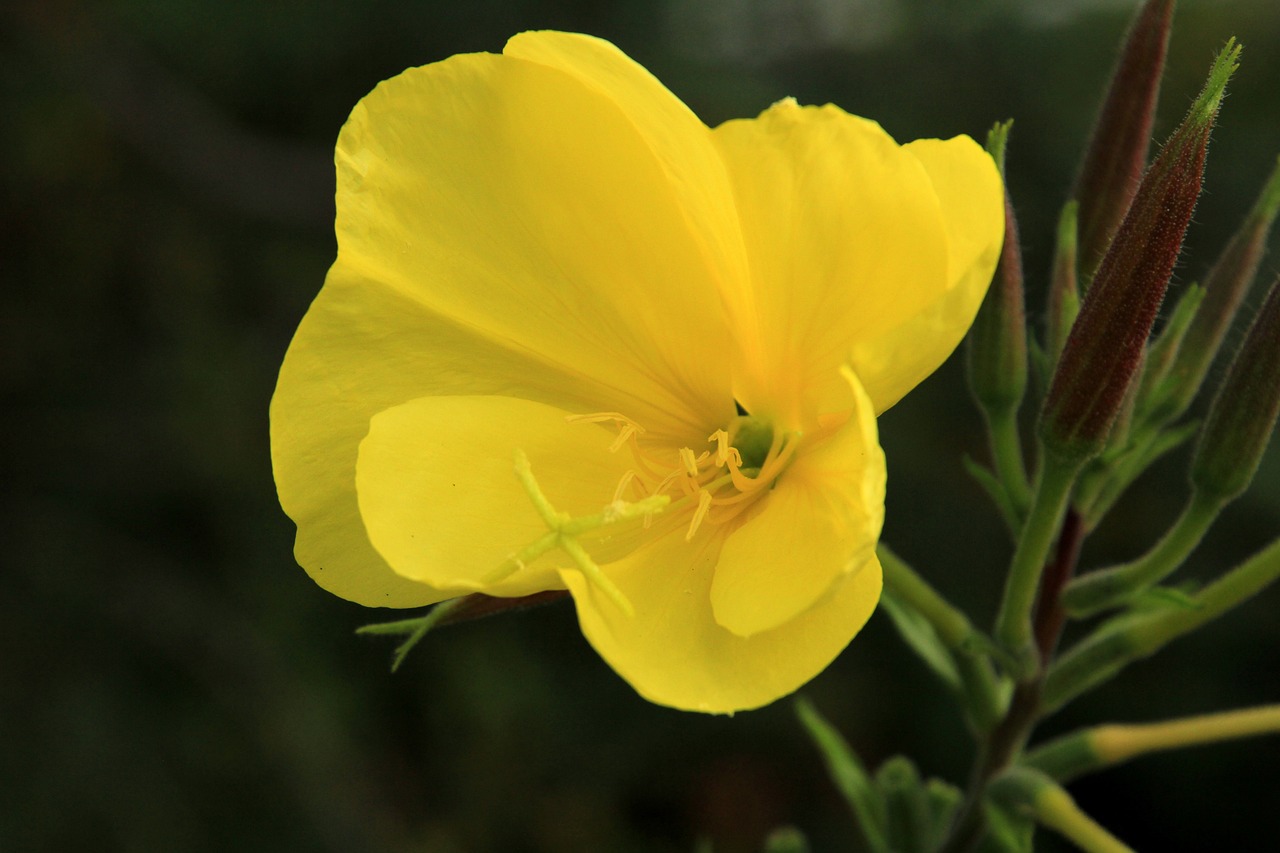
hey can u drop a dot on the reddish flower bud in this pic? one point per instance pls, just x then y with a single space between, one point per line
1107 341
1243 415
1117 152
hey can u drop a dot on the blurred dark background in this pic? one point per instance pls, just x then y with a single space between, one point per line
170 680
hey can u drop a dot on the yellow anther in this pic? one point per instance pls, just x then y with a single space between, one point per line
726 453
627 428
624 435
704 504
601 417
689 460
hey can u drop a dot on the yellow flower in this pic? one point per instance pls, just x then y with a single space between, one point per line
544 254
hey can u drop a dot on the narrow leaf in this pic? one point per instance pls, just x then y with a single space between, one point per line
849 775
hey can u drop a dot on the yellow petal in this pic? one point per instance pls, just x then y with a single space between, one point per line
972 198
441 501
845 241
512 199
497 225
677 137
673 652
819 523
360 349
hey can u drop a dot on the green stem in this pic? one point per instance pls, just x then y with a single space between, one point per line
1099 493
1049 504
1122 641
1113 586
1003 745
1006 451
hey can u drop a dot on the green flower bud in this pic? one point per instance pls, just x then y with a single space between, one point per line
1224 288
997 350
1117 151
1243 415
1106 344
1064 290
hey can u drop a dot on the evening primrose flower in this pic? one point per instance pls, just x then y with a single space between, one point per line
679 336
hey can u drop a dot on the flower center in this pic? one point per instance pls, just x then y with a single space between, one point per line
715 485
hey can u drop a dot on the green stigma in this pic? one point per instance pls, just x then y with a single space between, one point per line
753 437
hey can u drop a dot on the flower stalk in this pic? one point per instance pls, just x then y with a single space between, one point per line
1113 586
1115 645
1048 507
1075 754
1037 795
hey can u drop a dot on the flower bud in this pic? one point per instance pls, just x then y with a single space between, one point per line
1243 415
1224 288
1106 343
997 349
1064 290
1117 150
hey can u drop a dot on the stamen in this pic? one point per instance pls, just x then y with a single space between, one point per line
601 417
704 504
724 450
626 480
626 427
689 461
715 477
729 513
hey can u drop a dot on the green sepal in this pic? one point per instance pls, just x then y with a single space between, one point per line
849 776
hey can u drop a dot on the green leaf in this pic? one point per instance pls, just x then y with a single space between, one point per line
920 636
995 490
849 776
